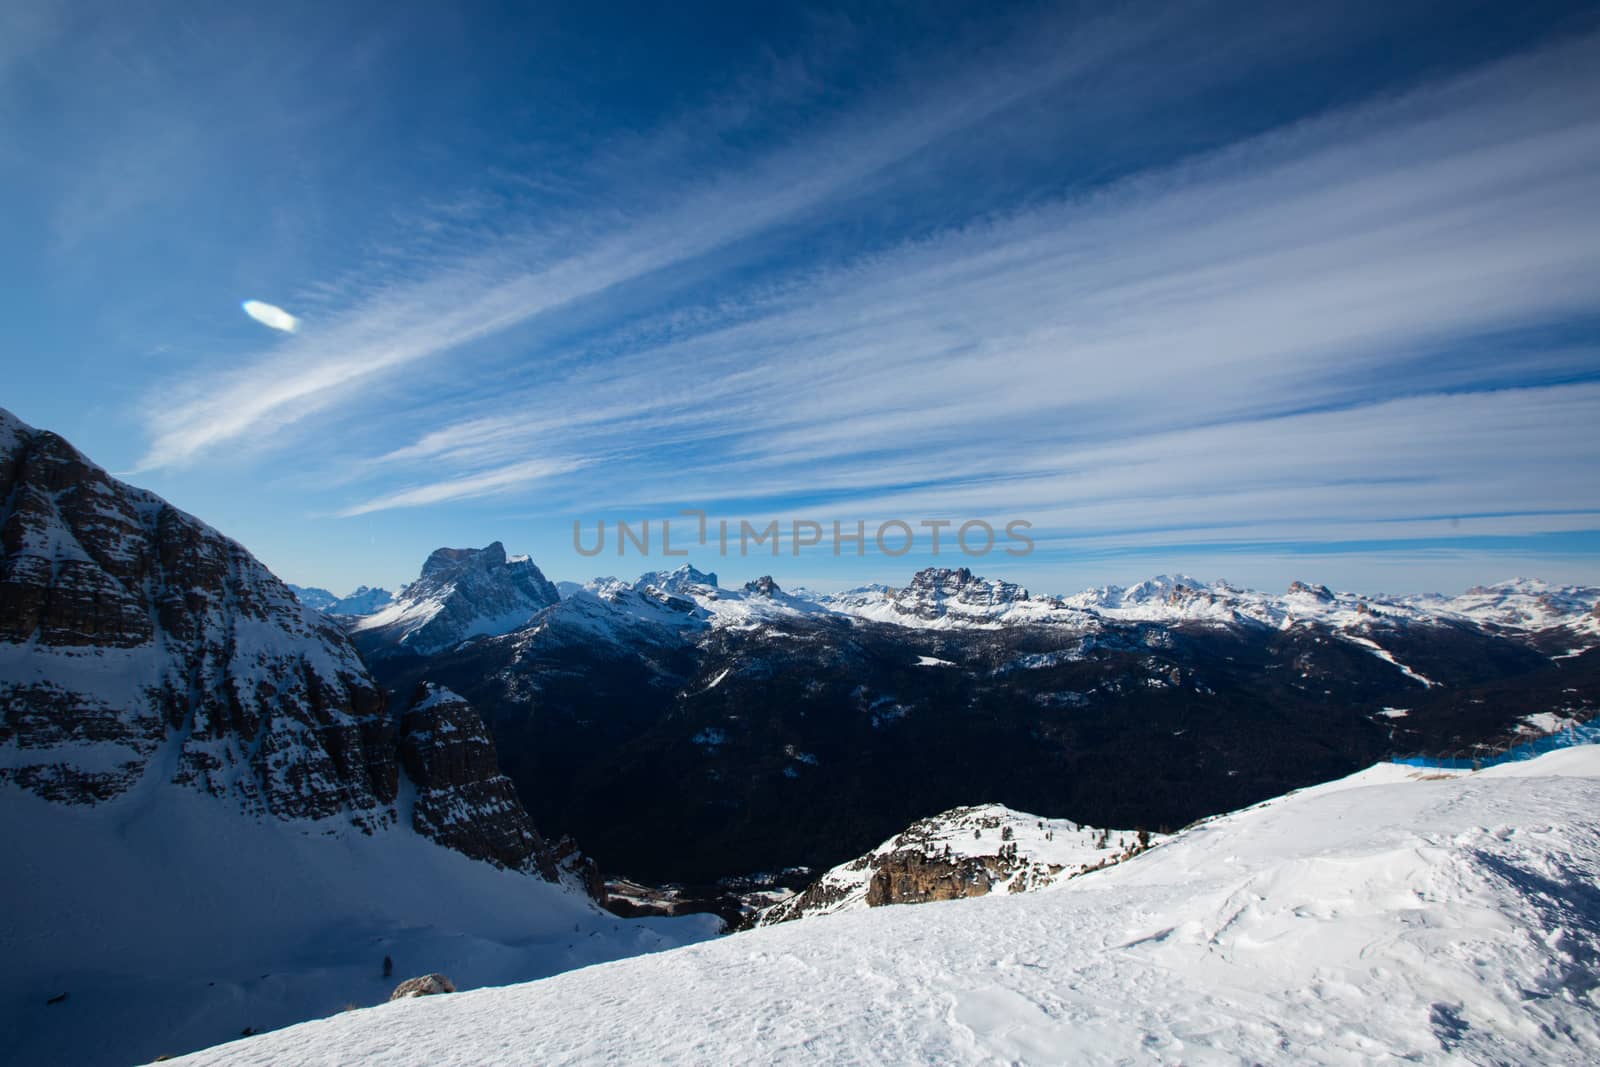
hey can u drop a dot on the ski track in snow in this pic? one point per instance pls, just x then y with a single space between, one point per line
1431 917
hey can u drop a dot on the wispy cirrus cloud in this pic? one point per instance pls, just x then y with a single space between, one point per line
1153 349
480 284
1375 322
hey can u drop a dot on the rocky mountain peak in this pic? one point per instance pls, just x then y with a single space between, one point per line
677 579
461 593
933 590
964 852
445 562
763 586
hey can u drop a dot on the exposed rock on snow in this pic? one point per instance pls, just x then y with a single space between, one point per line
462 593
965 852
426 986
941 597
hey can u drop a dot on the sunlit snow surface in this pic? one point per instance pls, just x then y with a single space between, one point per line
1431 917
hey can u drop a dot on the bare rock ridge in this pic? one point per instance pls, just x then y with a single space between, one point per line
137 641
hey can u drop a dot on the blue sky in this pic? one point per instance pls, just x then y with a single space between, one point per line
1255 291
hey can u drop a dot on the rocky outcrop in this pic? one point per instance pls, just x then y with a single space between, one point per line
462 593
462 800
763 586
964 852
426 986
915 878
933 591
126 625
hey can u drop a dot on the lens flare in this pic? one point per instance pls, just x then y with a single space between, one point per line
271 315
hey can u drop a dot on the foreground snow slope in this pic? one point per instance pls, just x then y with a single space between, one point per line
172 922
1434 918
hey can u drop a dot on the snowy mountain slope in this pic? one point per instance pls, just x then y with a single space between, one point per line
172 923
682 579
965 852
461 593
200 783
1431 920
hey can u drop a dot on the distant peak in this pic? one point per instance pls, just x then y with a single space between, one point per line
674 580
762 586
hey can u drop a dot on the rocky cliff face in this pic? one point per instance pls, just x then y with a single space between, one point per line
462 593
129 628
462 800
138 644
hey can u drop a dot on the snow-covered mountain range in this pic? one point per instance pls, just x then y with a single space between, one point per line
832 721
363 601
1394 915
